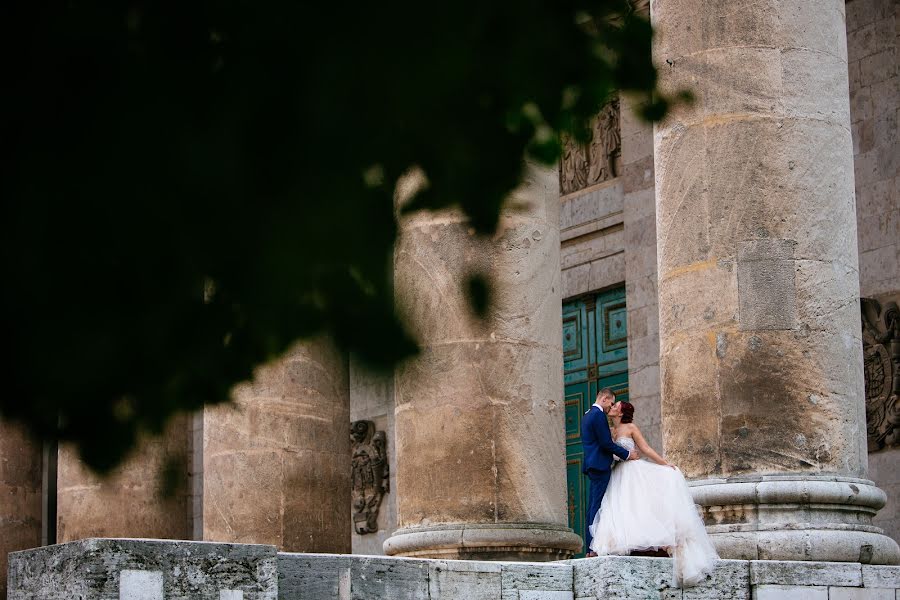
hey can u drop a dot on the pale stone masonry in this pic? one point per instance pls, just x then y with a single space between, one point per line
103 569
131 499
480 454
276 463
761 360
275 468
873 27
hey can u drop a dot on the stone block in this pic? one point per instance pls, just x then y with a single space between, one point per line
313 576
132 569
536 581
450 579
730 579
544 595
140 585
795 572
591 206
789 592
880 576
855 593
766 289
625 578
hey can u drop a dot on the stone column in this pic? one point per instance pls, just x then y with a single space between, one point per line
275 464
20 494
760 349
145 497
479 414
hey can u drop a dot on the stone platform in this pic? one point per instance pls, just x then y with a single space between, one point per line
124 569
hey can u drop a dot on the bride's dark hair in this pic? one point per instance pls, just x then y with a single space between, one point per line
627 411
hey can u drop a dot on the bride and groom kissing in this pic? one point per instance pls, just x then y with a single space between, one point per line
638 505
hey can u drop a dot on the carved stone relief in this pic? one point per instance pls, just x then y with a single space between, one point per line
370 474
583 165
881 352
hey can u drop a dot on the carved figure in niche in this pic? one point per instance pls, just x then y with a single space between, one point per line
605 144
881 356
370 474
585 165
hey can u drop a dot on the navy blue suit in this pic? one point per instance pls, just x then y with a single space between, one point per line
599 449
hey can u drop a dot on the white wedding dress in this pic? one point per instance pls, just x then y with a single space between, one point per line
647 507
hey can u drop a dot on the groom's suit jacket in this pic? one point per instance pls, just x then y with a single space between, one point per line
597 441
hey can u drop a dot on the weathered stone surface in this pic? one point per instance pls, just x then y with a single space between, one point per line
729 579
624 578
799 573
641 296
106 569
875 102
20 494
524 581
276 463
477 413
881 576
459 579
760 357
141 585
313 576
321 576
156 570
132 501
789 592
852 593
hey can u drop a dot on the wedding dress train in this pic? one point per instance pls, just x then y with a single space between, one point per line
649 506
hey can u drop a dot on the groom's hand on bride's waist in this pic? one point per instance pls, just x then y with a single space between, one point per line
634 455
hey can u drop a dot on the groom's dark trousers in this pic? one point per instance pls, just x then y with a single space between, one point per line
599 449
599 482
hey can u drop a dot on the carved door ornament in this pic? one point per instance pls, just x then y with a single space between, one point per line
370 474
583 165
881 352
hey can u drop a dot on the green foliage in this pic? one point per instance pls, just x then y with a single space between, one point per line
190 187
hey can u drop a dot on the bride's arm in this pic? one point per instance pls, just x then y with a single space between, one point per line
645 448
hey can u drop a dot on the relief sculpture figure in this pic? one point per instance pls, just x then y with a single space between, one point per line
881 360
370 475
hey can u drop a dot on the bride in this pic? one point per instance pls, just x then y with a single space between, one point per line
649 507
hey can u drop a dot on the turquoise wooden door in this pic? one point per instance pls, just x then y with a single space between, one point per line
595 355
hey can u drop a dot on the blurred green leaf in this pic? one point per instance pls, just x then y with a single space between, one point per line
190 187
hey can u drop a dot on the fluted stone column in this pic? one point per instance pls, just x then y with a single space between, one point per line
276 463
479 414
760 350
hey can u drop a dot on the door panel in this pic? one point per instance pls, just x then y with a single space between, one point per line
595 355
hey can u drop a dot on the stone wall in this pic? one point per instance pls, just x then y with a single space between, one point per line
121 569
873 27
592 240
372 399
156 570
608 236
20 494
641 298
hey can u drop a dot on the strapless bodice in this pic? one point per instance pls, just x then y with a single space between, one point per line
626 442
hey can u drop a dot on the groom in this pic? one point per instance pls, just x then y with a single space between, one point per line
599 449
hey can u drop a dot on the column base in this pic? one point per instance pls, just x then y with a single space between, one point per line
795 517
532 542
